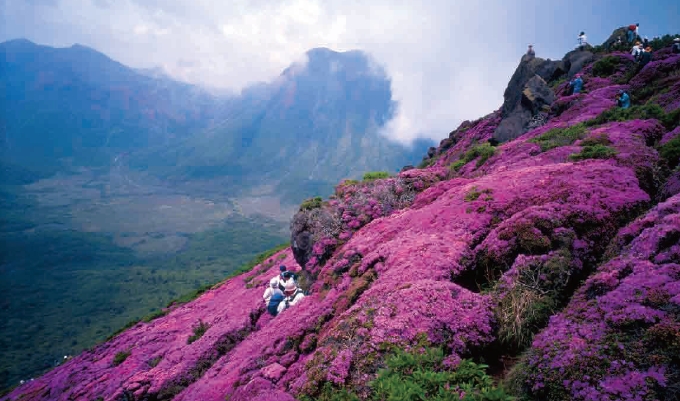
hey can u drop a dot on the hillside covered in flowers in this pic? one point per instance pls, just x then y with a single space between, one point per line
534 254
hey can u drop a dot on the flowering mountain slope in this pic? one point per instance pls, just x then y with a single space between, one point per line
558 249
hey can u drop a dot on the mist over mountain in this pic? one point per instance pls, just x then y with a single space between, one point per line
317 123
122 189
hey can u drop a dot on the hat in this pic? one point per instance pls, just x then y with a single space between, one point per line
620 91
676 40
273 282
282 268
289 286
582 33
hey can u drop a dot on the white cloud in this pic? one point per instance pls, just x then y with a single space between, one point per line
448 60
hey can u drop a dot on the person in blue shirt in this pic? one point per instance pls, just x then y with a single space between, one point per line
577 83
623 99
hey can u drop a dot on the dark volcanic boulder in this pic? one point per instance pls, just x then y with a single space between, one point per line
537 95
526 95
618 33
575 60
517 109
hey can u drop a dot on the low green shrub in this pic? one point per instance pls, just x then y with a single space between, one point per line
375 175
670 152
647 111
481 152
601 139
597 151
474 194
120 357
153 362
557 137
427 162
311 203
605 66
199 330
424 376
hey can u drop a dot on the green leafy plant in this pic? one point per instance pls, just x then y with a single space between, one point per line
481 152
606 66
427 162
474 194
557 137
601 139
153 362
375 175
670 151
423 375
199 330
597 151
311 203
647 111
120 357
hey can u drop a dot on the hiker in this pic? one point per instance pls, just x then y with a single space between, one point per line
576 84
292 292
636 51
276 302
623 99
582 41
645 57
531 52
675 49
633 32
271 290
645 42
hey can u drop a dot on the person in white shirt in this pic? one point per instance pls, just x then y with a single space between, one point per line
271 290
582 41
636 51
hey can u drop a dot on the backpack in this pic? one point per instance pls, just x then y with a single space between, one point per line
632 27
274 302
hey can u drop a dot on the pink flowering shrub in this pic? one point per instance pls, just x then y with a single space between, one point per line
619 337
354 205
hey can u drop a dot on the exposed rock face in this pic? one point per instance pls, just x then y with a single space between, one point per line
527 93
400 259
527 83
575 60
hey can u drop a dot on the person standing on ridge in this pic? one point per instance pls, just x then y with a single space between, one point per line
633 32
675 49
582 41
531 52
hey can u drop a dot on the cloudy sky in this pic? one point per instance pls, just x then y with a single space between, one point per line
449 60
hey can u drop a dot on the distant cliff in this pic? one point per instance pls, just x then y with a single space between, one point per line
551 254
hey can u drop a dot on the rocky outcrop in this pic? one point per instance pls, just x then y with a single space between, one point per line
528 94
528 82
473 253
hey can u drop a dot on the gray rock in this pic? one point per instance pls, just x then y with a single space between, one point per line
526 95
